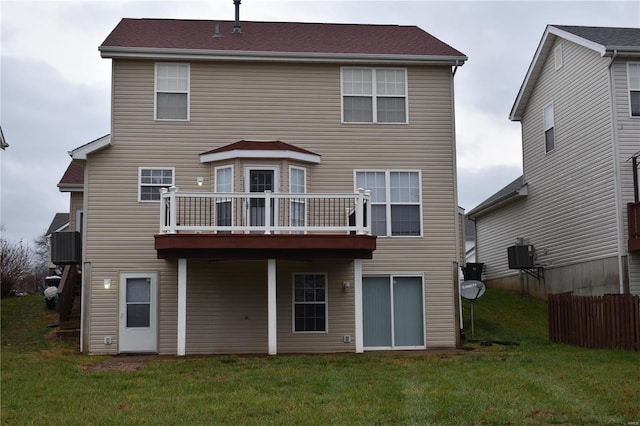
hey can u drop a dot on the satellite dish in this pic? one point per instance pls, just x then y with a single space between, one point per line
472 289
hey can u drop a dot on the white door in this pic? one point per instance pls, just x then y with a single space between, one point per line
138 312
260 180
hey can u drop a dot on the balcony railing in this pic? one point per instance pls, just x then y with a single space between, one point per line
267 213
633 214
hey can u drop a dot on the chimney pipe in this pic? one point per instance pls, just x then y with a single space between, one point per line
236 26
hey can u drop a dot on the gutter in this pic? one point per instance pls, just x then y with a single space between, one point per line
234 55
521 192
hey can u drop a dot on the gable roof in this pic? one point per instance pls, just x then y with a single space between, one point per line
259 149
81 152
60 222
512 192
198 39
607 41
72 179
3 143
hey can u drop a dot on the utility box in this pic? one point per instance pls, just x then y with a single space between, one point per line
66 248
521 257
473 271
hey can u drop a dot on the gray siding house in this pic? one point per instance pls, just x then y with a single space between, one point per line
271 188
577 200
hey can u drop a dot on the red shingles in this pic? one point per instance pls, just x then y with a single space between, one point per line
255 145
74 175
273 37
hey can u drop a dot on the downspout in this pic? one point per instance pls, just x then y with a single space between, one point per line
616 172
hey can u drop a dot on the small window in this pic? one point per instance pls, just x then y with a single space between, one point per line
549 129
634 89
395 201
151 181
298 206
172 91
374 95
224 208
558 56
309 303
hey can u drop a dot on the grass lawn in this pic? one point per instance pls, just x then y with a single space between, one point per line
46 382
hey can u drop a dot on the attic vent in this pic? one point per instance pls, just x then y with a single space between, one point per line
236 26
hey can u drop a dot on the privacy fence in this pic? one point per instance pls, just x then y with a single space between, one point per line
610 321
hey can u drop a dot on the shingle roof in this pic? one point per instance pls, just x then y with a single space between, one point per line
606 36
259 145
309 38
74 175
59 221
504 194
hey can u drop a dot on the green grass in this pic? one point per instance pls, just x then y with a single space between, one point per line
537 382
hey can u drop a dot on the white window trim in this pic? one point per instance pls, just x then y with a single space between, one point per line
155 92
215 176
326 303
374 96
140 169
388 202
304 172
545 128
629 89
558 57
424 311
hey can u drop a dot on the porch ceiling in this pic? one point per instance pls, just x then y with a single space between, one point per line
265 246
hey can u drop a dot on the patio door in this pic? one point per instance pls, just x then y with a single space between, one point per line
260 180
138 331
393 312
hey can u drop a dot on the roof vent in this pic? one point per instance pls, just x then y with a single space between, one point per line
236 26
217 33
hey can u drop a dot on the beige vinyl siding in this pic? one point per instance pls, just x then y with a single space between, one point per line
627 130
297 104
75 204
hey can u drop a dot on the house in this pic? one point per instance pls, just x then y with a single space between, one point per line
572 218
272 187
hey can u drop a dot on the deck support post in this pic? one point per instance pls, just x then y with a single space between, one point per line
182 306
271 301
357 284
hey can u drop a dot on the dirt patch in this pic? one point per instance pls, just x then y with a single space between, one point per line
123 363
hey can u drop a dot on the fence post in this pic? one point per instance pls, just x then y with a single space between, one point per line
173 210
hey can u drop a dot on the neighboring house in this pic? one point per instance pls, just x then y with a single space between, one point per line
272 188
577 201
469 240
72 181
3 144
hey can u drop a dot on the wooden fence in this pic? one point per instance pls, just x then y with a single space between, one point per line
610 321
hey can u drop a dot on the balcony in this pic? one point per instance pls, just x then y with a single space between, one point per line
264 225
633 216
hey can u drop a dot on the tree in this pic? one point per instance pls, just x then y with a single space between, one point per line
15 265
23 268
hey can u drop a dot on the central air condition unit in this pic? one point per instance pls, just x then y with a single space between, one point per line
521 257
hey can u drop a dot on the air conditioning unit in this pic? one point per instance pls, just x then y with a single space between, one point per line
521 256
66 248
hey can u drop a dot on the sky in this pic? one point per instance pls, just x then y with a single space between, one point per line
55 88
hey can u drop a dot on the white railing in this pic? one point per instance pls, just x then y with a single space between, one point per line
200 212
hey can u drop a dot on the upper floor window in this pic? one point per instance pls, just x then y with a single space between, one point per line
634 88
297 185
395 201
374 95
151 181
224 207
172 91
549 129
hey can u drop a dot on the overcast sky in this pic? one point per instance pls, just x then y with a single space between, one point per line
54 87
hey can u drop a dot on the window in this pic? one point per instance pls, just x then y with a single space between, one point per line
224 183
309 302
634 89
549 129
151 181
297 185
172 91
374 95
557 55
395 201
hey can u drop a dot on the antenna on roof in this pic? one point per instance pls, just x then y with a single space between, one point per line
236 26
